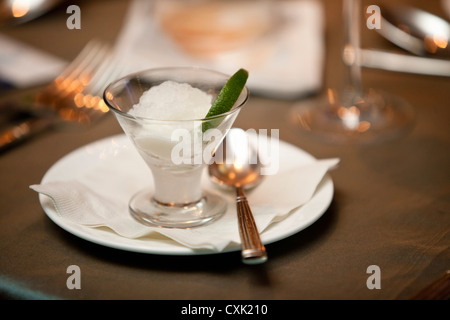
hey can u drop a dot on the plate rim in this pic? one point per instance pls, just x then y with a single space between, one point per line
325 191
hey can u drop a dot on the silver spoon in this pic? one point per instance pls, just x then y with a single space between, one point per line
240 167
415 30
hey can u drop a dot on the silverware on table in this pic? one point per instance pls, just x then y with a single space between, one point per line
417 31
240 168
397 62
75 96
421 33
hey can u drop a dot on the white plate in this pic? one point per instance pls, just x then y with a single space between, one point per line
89 156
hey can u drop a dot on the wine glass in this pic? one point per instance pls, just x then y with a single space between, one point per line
352 113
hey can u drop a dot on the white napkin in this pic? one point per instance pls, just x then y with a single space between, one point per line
287 64
99 198
24 66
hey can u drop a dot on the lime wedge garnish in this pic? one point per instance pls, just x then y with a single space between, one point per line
227 97
229 94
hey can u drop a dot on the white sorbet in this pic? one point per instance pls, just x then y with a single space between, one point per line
169 101
173 101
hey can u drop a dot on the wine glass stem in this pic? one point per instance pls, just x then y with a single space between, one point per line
351 51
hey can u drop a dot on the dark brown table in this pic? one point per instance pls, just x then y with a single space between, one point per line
391 206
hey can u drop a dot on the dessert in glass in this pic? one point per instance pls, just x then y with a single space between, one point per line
163 112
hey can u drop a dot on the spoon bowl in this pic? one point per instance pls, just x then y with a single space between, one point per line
239 165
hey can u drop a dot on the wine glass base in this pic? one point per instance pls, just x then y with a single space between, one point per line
146 210
346 117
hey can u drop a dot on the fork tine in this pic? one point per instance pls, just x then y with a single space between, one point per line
60 95
99 77
80 59
89 103
113 68
77 93
83 72
75 76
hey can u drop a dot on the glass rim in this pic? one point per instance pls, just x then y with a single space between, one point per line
135 74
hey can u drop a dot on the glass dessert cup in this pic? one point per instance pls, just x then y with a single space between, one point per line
176 151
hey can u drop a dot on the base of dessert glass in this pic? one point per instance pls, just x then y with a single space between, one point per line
146 210
346 117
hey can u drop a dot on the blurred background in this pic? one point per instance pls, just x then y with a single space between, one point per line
286 44
293 49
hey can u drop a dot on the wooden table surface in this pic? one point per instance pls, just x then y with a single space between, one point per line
391 203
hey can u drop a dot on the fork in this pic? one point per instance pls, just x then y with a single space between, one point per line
75 96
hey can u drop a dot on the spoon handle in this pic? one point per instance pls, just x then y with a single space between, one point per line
253 251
